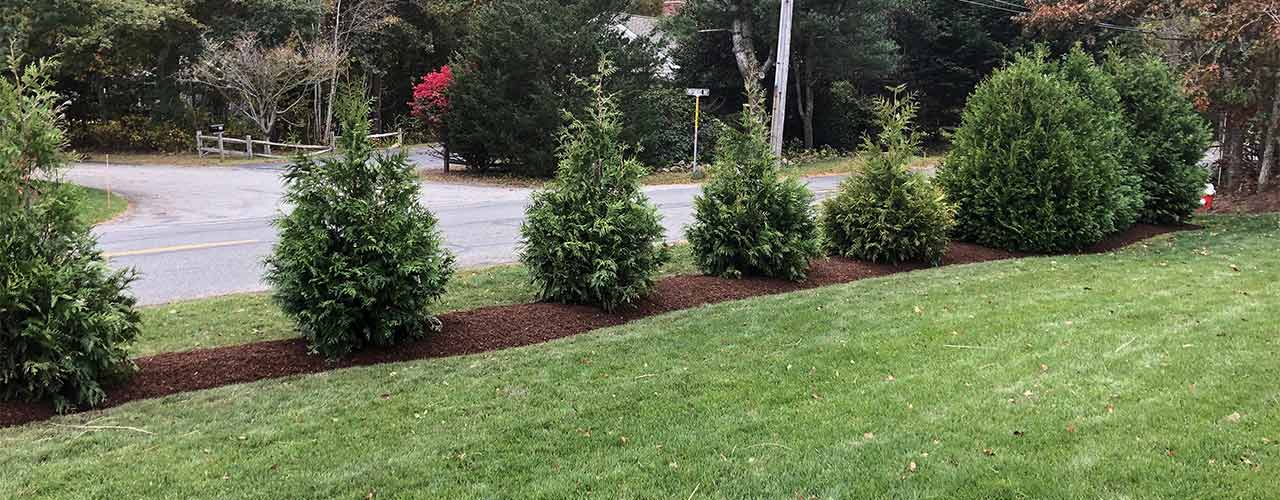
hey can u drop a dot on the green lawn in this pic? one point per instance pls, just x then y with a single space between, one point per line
95 207
1149 373
250 317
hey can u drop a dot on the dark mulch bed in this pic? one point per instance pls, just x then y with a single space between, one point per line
492 328
1260 203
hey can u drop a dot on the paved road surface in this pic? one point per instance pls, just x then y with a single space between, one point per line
195 232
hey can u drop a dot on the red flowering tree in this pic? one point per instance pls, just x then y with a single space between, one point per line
430 104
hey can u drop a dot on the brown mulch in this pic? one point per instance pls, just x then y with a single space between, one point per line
493 328
1260 203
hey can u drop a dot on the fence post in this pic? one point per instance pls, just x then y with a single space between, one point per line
199 145
248 145
222 150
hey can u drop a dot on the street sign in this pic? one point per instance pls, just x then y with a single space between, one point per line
697 94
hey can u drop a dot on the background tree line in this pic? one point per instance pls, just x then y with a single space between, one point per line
134 65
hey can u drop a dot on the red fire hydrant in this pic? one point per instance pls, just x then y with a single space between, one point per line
1206 200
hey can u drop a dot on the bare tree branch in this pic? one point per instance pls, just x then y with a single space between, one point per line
262 82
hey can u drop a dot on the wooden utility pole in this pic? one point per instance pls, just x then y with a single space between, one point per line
780 79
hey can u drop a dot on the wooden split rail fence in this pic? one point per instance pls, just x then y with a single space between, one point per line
251 148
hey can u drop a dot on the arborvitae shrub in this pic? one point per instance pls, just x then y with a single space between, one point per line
592 237
886 213
65 318
1029 169
1168 133
359 258
1098 88
749 220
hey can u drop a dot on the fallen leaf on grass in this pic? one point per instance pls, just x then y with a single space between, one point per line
1234 417
989 452
1071 427
868 435
889 378
1234 268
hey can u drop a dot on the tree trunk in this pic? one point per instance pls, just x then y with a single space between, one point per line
744 50
808 116
1232 152
333 82
804 94
377 97
1269 152
804 101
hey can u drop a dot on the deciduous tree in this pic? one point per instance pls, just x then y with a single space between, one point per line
263 82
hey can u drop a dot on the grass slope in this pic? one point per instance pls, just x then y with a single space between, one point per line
1149 373
94 205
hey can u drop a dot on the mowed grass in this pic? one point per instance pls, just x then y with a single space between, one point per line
251 317
96 206
1148 373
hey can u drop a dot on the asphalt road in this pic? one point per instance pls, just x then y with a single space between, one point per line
194 232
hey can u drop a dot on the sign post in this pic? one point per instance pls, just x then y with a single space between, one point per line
697 94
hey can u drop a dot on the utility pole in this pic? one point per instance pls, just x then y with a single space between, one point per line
780 79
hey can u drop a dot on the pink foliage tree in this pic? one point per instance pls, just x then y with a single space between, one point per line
430 104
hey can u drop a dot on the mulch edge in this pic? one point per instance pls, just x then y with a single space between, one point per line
498 327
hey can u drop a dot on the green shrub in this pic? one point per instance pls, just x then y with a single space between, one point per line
129 133
359 258
1170 136
1029 168
1098 87
887 213
749 220
65 318
591 236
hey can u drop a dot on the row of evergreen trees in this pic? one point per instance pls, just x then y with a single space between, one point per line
592 237
1050 156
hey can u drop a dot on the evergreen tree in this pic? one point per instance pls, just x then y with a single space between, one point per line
591 237
65 318
359 258
750 221
886 213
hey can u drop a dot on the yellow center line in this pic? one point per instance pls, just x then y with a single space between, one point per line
177 248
